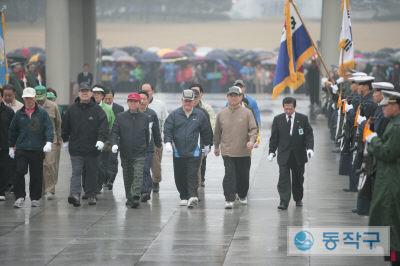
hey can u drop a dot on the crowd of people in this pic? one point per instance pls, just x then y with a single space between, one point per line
364 121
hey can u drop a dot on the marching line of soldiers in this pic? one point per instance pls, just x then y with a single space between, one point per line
364 121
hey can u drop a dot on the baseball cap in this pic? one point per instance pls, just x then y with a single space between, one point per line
239 82
28 93
134 96
235 90
188 95
41 92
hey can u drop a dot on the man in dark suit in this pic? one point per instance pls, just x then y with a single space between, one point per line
293 137
85 76
113 163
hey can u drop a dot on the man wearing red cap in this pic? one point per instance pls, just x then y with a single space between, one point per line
130 134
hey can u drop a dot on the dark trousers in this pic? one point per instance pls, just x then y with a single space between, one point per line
203 168
113 167
33 160
84 174
186 178
236 179
104 169
291 179
147 184
4 177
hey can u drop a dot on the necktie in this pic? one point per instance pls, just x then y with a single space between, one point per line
289 123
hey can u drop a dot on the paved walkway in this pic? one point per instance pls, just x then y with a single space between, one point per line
162 233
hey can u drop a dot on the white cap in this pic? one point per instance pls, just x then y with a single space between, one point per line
359 74
361 79
390 97
340 80
382 86
97 89
28 93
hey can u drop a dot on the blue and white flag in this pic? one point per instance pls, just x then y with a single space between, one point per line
296 48
3 58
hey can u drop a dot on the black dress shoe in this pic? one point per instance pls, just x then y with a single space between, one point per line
282 206
74 200
354 210
299 203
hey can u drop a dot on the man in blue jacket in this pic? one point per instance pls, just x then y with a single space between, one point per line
30 134
185 128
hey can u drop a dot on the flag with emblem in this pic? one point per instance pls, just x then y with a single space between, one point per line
3 58
346 58
295 48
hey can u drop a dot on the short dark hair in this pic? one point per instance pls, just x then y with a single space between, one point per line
9 87
289 100
111 91
197 85
144 93
144 83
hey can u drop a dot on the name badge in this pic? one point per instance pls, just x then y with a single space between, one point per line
301 132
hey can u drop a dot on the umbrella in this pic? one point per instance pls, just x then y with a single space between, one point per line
132 50
126 59
396 56
105 51
107 58
164 51
119 53
148 57
36 58
153 49
218 54
173 55
381 62
36 50
203 51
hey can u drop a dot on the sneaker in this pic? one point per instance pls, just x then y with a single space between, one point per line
183 202
35 203
74 200
156 187
228 205
2 198
49 196
145 197
243 201
135 204
19 203
193 201
92 200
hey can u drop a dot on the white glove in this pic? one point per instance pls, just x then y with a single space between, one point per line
99 145
11 153
335 89
349 107
361 119
206 150
310 154
370 137
47 147
168 147
271 156
65 145
114 148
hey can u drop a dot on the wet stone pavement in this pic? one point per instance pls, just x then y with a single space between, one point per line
162 233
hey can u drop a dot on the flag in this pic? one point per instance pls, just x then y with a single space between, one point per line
296 48
346 58
3 58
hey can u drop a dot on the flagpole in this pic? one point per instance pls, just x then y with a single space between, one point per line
312 42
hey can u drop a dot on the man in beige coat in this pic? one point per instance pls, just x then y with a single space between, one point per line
52 158
234 138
